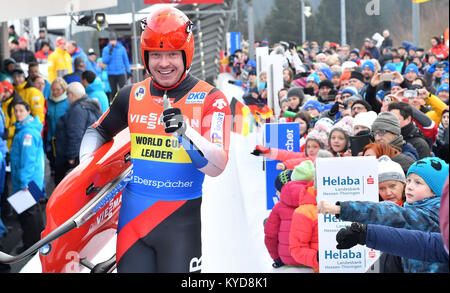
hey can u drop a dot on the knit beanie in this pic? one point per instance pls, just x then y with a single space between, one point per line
296 92
387 121
442 88
320 134
390 170
313 104
357 75
345 124
365 119
368 64
282 179
412 67
434 172
350 89
303 171
327 72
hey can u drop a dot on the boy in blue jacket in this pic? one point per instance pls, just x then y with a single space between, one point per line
425 181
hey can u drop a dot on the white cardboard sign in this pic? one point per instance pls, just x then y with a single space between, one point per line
344 179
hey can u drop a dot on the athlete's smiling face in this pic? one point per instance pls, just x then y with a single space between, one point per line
166 67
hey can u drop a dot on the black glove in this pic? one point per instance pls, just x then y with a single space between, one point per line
260 150
277 263
335 109
174 121
351 235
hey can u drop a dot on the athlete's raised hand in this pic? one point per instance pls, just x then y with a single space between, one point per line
173 121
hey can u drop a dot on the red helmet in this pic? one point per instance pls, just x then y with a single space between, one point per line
168 29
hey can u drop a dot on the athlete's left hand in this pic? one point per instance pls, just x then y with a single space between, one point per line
173 121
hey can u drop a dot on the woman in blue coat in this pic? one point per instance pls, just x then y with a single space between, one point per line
27 164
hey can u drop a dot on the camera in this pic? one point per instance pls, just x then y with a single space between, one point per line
410 94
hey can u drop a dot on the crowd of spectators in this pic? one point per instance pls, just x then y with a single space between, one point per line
50 92
385 100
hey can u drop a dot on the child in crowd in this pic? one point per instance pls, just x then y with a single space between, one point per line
277 225
316 141
339 137
303 236
425 180
303 119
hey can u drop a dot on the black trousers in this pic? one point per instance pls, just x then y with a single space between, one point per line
116 82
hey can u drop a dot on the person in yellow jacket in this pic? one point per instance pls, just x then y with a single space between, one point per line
9 98
29 94
59 62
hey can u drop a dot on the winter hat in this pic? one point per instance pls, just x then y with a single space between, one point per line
91 51
23 39
303 171
365 119
364 103
433 170
313 77
442 88
357 75
282 179
387 121
412 67
7 86
313 104
347 65
297 92
320 134
351 90
60 40
368 64
390 170
326 122
327 72
345 124
390 66
326 83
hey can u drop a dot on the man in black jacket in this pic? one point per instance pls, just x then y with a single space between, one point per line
23 54
410 132
70 128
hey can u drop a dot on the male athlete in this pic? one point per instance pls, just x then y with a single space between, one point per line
179 128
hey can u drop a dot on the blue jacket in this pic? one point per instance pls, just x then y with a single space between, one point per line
117 62
96 91
421 215
27 154
413 244
80 53
104 77
55 111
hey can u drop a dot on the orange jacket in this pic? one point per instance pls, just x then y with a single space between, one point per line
303 236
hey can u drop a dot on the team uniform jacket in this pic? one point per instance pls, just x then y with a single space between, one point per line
165 168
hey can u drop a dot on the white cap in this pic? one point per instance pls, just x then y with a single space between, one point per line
390 170
365 119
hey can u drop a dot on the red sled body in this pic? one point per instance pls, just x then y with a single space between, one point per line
72 194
